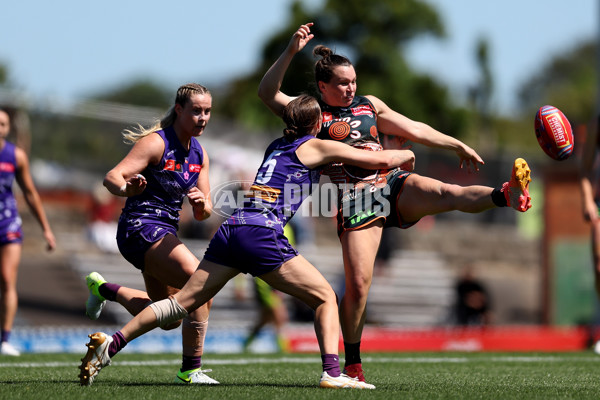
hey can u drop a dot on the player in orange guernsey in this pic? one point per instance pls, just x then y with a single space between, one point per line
358 121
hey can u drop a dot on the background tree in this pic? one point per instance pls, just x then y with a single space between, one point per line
373 35
568 81
143 92
94 140
3 74
480 96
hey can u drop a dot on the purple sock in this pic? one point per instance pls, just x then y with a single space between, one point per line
109 290
117 344
331 364
190 362
4 336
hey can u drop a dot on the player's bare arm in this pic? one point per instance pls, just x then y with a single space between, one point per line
391 122
269 87
318 152
32 197
125 178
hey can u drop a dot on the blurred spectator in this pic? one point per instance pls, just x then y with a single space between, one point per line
102 228
272 311
389 243
473 306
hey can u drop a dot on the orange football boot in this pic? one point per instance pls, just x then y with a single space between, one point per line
516 191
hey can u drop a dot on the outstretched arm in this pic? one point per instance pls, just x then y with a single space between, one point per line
391 122
268 90
318 152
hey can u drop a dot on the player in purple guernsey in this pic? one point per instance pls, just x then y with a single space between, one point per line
589 180
252 241
165 166
359 121
14 165
154 212
281 175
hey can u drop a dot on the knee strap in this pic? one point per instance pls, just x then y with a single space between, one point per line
168 311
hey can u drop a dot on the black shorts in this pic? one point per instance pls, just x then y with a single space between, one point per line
361 206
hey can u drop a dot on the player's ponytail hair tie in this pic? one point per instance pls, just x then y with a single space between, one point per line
290 132
329 60
300 117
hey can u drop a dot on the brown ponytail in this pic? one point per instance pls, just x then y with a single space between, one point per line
300 117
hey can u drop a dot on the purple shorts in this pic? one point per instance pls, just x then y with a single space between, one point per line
133 244
254 250
11 231
11 237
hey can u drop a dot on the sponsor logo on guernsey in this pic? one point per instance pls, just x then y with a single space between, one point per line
263 193
7 167
172 165
558 130
327 116
362 110
195 167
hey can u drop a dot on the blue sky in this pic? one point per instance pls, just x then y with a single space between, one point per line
70 49
523 36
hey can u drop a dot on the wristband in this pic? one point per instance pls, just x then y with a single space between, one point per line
123 190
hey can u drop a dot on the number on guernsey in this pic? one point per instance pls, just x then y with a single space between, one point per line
265 172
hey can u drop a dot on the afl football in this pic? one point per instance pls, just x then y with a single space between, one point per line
553 132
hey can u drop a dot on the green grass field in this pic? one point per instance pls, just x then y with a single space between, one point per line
396 375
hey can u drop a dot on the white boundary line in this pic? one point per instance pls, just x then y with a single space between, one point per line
311 360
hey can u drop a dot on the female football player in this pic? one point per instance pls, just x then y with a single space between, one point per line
14 164
358 121
590 201
165 165
252 241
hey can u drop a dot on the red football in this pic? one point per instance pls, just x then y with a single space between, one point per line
554 133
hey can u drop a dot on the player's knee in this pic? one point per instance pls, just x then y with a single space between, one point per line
323 296
171 326
326 296
357 292
359 286
330 297
168 312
